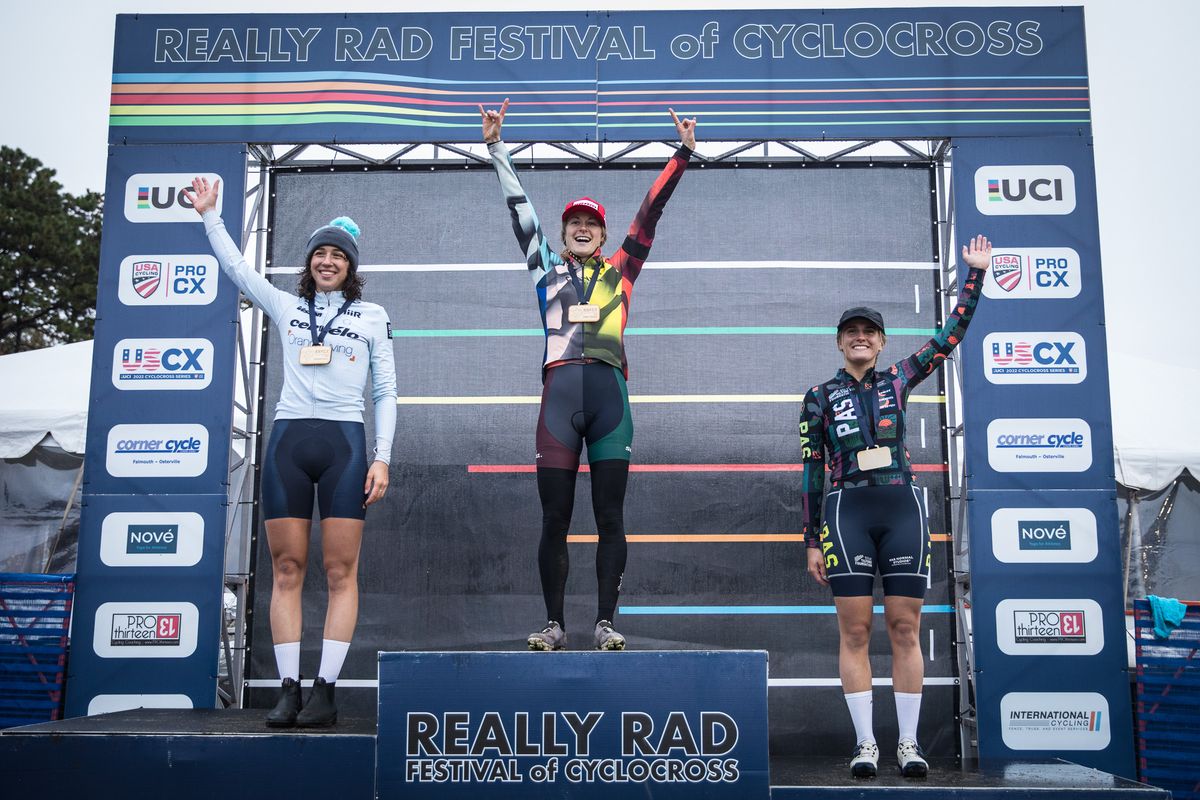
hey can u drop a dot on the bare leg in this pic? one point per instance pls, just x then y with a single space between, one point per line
341 541
288 540
903 617
854 627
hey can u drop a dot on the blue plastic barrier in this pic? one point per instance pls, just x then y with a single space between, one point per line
35 613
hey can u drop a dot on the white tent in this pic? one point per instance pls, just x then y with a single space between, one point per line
46 394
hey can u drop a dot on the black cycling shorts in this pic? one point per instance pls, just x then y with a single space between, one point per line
314 456
871 530
584 402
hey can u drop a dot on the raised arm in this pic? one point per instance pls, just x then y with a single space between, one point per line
383 397
539 255
636 247
977 255
203 197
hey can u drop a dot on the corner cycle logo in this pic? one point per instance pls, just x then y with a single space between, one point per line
1034 357
155 364
152 539
1021 190
159 197
157 451
1033 273
1054 721
1039 445
145 630
1049 627
168 280
1044 535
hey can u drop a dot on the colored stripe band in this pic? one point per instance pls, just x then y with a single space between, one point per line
373 683
746 610
671 538
715 330
520 468
654 265
533 399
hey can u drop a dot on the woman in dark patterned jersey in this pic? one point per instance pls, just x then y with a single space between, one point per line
872 519
584 301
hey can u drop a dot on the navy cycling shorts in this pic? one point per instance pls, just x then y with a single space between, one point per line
876 529
314 457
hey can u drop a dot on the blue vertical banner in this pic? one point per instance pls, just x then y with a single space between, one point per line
1048 610
151 543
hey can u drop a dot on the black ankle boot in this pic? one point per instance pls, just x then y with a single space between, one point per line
319 711
283 715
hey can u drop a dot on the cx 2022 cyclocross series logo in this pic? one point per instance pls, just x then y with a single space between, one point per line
150 364
1013 190
1039 445
168 280
1034 357
159 197
1033 273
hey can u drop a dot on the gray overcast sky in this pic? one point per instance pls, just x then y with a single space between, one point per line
57 62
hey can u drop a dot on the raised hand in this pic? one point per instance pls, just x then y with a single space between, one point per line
203 195
978 253
493 121
686 129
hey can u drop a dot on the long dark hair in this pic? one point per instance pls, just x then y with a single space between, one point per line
351 287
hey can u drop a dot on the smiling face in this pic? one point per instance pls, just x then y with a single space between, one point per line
583 233
860 342
329 267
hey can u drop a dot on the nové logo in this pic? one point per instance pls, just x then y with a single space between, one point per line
159 197
1046 189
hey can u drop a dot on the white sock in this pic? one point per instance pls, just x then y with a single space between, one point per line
860 705
908 708
333 655
287 660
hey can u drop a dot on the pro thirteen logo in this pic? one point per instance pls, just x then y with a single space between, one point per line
1034 357
1008 190
145 630
1049 627
159 197
168 280
141 364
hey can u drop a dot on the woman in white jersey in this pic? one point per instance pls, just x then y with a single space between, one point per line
331 338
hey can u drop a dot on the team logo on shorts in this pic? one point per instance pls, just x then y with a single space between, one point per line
146 277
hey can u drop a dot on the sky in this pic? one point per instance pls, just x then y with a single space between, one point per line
57 63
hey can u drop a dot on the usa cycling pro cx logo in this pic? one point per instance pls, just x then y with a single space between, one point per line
168 280
1020 273
145 364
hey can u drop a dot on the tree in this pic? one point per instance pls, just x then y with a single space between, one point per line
49 256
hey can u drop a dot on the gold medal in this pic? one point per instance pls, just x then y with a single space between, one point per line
314 355
583 312
874 458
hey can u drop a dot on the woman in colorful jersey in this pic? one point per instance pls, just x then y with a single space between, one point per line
872 519
330 339
584 301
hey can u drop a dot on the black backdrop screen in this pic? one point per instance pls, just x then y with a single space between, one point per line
731 303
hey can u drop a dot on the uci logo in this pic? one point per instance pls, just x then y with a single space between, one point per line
168 280
1046 189
159 197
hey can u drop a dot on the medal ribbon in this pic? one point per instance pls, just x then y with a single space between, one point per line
318 334
584 296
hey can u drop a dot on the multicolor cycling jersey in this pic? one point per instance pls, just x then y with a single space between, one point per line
843 416
577 342
361 338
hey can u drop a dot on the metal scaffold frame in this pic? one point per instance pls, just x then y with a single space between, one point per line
264 161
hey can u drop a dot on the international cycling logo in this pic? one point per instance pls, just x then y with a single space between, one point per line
1054 721
1044 535
145 364
157 451
1039 445
1046 357
1034 189
159 197
145 630
168 280
1049 627
1023 273
151 539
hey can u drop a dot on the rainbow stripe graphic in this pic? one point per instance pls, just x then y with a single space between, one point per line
447 109
994 191
143 198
